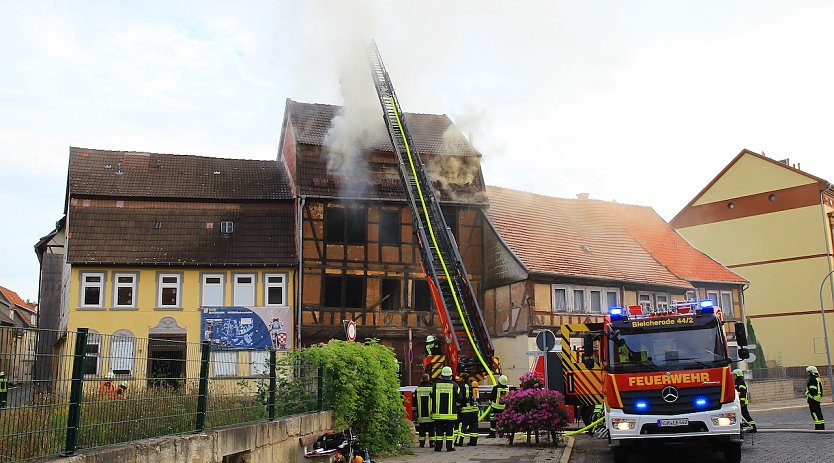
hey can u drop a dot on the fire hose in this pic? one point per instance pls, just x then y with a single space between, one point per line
590 426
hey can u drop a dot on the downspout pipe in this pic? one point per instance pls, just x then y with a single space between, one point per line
826 229
299 274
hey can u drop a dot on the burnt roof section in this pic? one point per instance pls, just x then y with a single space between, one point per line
178 233
452 164
131 174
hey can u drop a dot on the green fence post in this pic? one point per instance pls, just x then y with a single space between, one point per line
202 395
270 406
320 390
76 392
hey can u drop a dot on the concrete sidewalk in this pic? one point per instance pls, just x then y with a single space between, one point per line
487 450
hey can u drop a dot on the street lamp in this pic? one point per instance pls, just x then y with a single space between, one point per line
825 333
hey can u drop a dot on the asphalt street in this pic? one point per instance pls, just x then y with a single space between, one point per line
769 446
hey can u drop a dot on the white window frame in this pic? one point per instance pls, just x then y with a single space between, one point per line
650 302
121 357
716 298
661 305
133 285
616 299
101 285
253 285
203 283
224 363
586 298
259 362
163 285
93 338
282 285
728 312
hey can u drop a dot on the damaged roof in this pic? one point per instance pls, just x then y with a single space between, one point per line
585 238
180 233
370 171
126 174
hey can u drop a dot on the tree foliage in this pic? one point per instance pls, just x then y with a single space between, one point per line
760 362
362 387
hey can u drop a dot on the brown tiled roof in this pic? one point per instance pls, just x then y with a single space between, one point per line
596 239
671 249
128 174
451 162
12 297
144 232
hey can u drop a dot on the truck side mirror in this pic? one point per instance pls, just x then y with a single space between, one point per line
588 351
743 353
741 334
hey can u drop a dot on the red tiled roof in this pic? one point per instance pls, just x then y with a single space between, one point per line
12 297
451 162
144 232
595 239
125 174
671 249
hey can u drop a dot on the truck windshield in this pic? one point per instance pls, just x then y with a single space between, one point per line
642 350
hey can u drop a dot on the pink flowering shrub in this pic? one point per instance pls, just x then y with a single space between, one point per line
532 408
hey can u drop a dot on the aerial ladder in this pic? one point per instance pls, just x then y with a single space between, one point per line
467 345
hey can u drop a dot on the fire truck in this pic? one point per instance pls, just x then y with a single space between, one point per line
662 375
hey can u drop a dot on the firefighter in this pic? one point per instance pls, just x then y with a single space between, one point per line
813 391
495 404
468 411
4 389
444 396
744 398
422 399
121 390
432 346
106 384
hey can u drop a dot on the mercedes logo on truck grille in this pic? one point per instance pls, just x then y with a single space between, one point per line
669 394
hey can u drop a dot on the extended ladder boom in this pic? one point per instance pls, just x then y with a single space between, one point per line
468 345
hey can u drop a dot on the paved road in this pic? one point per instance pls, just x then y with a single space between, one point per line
487 451
763 447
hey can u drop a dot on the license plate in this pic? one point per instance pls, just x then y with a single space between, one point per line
669 423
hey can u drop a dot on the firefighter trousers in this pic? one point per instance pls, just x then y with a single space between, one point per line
444 432
425 432
469 420
816 414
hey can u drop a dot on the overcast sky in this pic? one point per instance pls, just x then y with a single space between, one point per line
640 102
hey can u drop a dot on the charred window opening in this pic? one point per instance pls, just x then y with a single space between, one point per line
421 295
451 218
344 291
389 227
345 225
390 294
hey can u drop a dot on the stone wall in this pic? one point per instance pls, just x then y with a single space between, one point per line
774 390
264 442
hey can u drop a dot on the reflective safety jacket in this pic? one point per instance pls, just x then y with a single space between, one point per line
444 400
495 397
741 387
422 399
468 403
813 390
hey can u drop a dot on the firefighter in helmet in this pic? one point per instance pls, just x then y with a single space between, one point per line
432 346
444 410
495 404
813 391
468 410
744 398
423 409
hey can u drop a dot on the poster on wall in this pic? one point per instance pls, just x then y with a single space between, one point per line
247 327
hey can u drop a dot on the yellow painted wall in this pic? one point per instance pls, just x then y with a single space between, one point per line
792 286
513 354
751 175
794 340
778 235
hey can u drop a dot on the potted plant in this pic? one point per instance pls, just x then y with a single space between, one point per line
532 409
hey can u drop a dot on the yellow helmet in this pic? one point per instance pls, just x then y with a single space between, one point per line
738 372
502 380
446 372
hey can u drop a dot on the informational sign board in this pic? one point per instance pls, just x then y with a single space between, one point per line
247 327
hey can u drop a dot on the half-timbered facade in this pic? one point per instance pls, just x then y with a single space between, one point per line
359 258
554 261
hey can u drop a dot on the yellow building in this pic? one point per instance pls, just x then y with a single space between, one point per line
154 242
771 223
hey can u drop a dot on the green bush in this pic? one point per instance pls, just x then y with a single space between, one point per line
362 387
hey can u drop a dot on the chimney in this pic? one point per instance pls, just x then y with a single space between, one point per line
582 196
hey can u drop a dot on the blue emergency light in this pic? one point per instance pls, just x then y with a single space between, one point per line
707 306
615 312
700 402
641 405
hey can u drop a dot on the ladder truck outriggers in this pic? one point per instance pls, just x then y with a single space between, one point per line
467 347
662 375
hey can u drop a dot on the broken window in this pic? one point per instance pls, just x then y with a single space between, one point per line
345 225
421 295
390 294
451 218
389 227
344 292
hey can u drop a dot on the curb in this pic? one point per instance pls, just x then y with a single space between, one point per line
810 431
566 453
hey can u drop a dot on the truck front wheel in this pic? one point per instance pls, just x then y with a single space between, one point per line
732 452
620 454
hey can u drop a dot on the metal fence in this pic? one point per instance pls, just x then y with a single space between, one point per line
73 390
